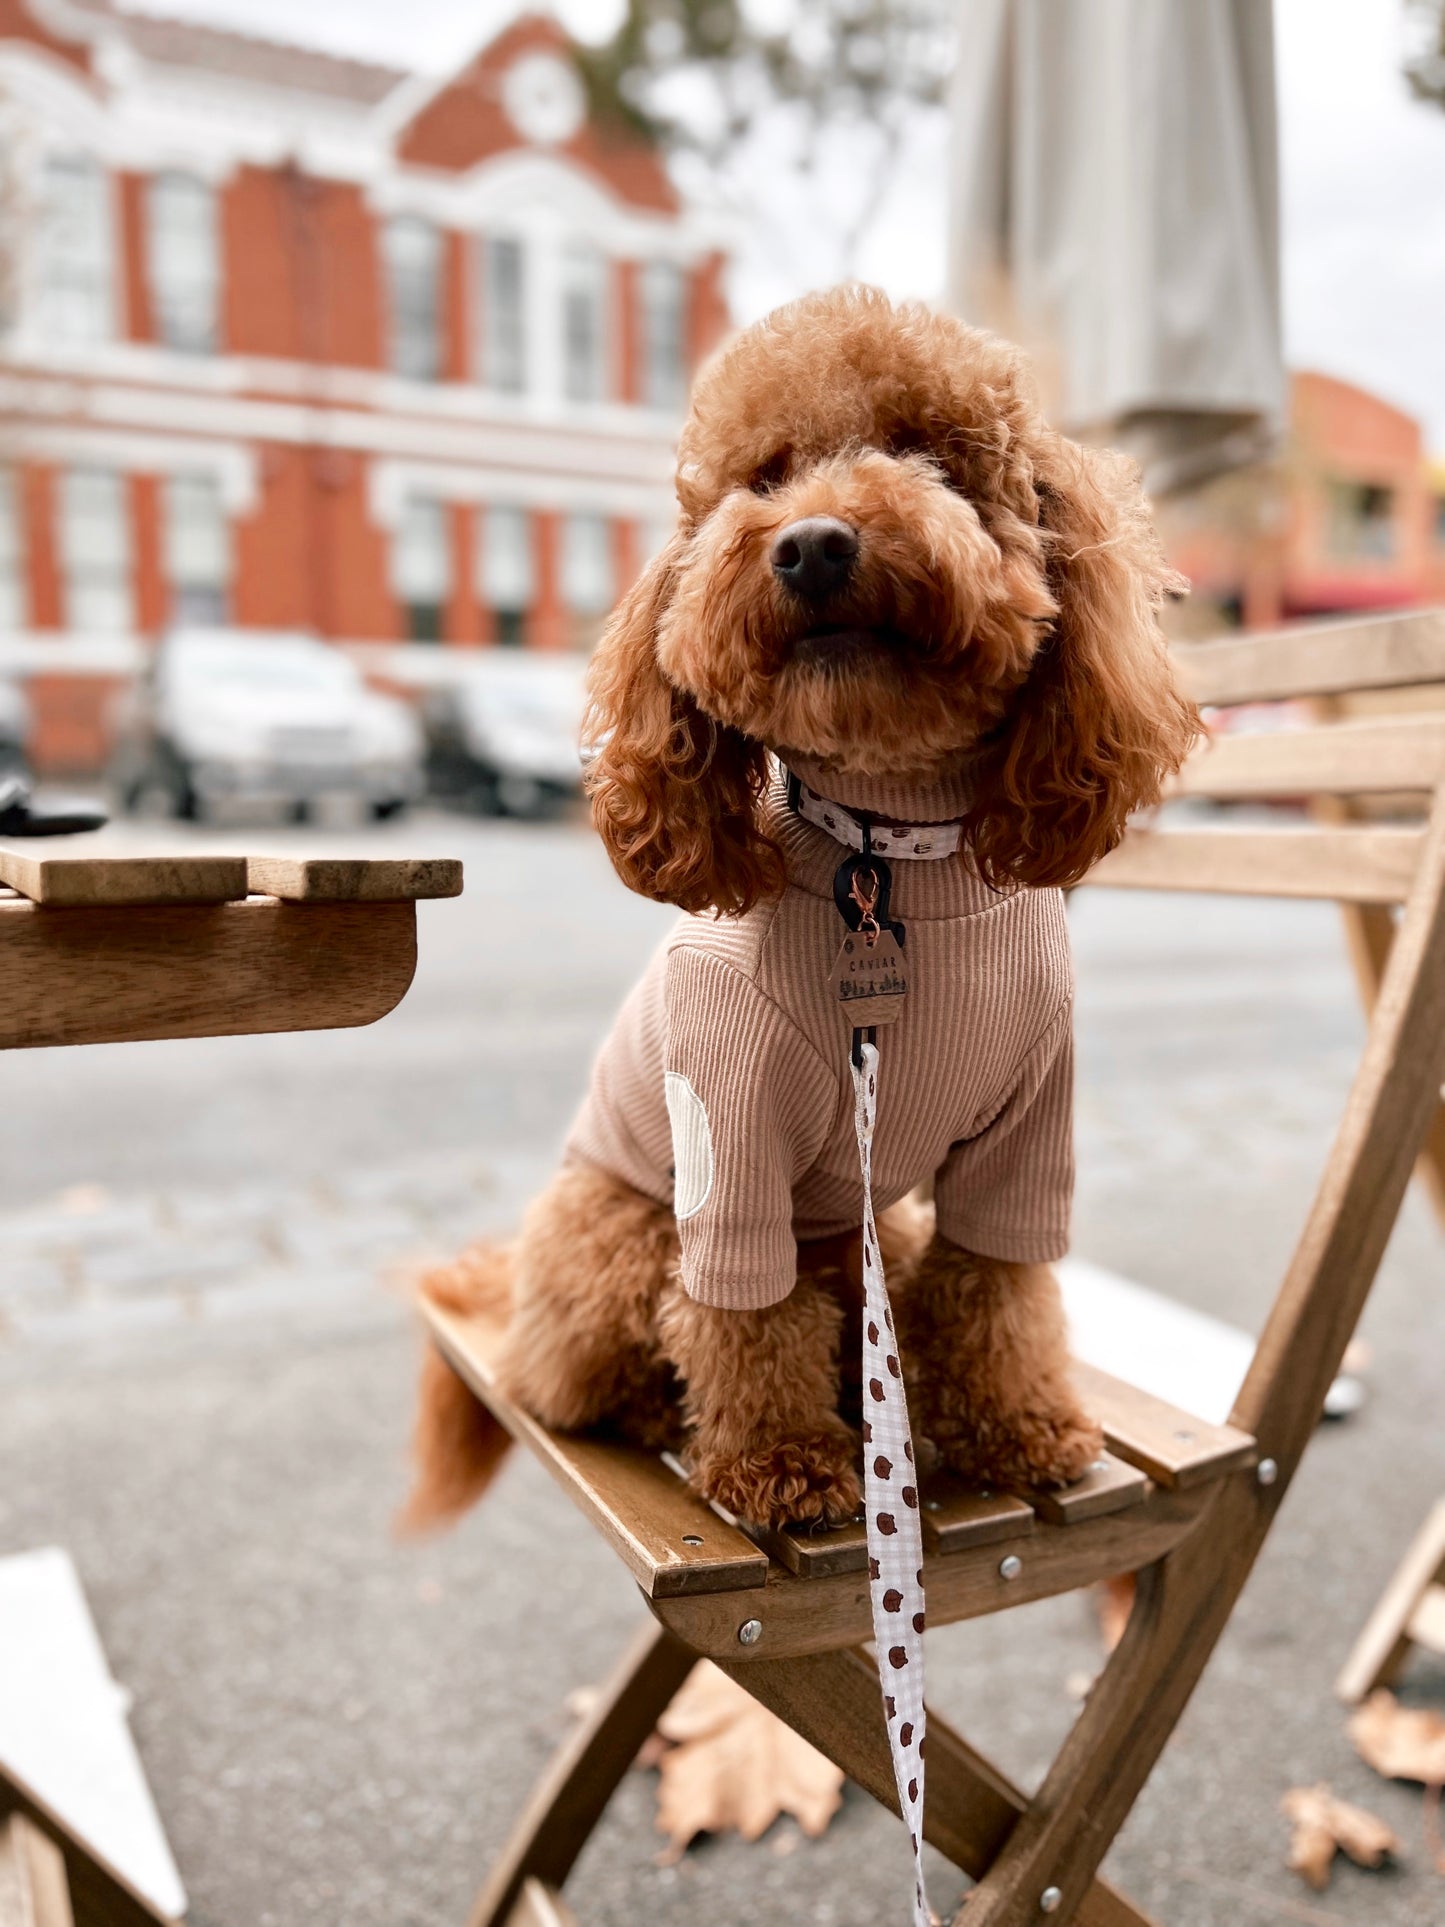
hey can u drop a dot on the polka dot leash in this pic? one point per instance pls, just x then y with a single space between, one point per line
890 1487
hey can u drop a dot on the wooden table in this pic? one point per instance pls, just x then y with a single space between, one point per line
97 950
103 950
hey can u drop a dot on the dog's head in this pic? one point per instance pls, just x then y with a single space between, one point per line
884 558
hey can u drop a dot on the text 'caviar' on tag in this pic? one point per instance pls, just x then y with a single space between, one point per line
869 979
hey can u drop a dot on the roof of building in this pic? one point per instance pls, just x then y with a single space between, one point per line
244 56
451 123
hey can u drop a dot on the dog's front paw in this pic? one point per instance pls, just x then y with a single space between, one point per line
807 1480
1049 1445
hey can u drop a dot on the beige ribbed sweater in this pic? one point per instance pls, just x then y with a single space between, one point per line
724 1088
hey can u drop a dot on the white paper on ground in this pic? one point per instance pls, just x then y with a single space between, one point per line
63 1727
1184 1356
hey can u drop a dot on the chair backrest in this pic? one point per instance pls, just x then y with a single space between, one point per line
1318 659
1398 1082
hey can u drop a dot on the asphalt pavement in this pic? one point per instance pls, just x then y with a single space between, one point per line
205 1381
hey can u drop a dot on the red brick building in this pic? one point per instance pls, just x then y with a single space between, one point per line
294 341
1353 520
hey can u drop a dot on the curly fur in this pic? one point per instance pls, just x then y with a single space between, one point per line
1004 607
1011 580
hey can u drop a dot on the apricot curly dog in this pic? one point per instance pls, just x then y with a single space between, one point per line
900 613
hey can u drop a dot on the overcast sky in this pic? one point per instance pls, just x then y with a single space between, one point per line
1363 170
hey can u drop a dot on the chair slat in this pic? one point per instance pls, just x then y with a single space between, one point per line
1347 866
668 1539
811 1615
1112 1485
956 1516
113 881
1348 759
1383 652
34 1891
354 879
1175 1448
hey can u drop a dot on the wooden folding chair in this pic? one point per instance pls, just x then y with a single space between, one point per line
1184 1504
1325 665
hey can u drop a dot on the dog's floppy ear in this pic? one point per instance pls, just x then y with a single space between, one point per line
674 794
1100 722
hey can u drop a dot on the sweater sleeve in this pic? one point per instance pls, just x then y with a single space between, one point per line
750 1103
1007 1191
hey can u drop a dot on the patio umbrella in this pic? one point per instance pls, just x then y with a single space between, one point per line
1115 208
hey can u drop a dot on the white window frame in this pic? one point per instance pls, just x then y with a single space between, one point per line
414 296
502 357
589 564
13 598
586 323
506 558
662 302
183 260
196 547
95 550
75 260
421 556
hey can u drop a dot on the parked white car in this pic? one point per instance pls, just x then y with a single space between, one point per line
261 717
503 737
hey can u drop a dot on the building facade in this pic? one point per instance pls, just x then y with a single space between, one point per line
1352 519
294 341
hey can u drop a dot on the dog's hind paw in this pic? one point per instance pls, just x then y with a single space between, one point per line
792 1481
1038 1446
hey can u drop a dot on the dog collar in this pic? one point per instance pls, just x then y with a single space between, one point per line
909 842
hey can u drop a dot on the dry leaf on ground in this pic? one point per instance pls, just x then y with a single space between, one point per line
1324 1825
1402 1742
1113 1603
731 1764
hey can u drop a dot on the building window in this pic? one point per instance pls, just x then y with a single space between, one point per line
506 570
502 351
12 554
584 324
664 354
75 259
1361 524
589 576
421 568
95 550
197 551
414 269
184 262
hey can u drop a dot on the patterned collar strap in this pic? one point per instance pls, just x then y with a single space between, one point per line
909 843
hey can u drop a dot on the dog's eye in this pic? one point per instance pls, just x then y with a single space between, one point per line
772 473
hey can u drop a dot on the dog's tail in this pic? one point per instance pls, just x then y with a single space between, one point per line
457 1446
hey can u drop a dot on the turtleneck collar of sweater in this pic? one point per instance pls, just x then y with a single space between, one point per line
941 796
944 889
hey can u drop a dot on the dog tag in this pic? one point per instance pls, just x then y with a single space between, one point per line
869 978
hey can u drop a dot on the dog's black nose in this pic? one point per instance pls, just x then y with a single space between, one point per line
815 557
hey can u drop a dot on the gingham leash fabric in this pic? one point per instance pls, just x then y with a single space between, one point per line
890 1488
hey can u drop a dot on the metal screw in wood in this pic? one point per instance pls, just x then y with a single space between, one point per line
1011 1567
1050 1900
1266 1472
750 1632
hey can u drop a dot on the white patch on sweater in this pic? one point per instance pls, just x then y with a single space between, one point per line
691 1145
